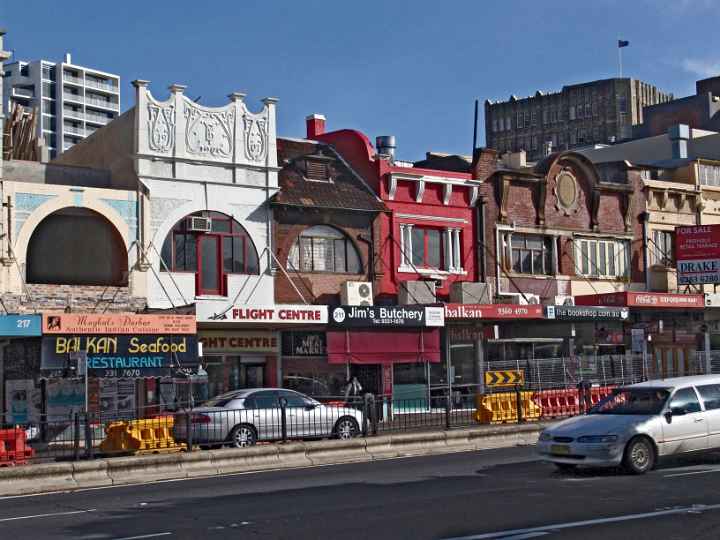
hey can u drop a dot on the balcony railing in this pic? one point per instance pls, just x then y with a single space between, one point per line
101 102
74 130
73 97
71 79
75 114
101 85
97 118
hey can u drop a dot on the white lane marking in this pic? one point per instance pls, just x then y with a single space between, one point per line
526 536
696 508
693 473
153 535
16 518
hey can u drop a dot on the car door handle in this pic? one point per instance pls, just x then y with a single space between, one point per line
698 420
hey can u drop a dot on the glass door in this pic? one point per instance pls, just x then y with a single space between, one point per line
210 269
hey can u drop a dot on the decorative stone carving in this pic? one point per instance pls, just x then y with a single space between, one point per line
209 133
567 192
255 137
161 128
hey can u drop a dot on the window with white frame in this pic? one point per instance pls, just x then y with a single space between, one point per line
529 253
324 249
602 258
430 248
709 174
662 248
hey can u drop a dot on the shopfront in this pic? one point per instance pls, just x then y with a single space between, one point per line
20 385
667 328
242 345
127 355
390 350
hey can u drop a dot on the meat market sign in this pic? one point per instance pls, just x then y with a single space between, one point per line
697 252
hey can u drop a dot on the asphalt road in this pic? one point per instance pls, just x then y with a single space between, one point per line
491 494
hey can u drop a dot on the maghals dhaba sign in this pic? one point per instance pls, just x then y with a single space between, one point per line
120 345
697 253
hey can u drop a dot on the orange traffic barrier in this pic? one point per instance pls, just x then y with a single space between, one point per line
13 447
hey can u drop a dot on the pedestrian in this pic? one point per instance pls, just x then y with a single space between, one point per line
353 388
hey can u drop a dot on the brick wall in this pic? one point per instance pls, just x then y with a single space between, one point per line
316 287
80 298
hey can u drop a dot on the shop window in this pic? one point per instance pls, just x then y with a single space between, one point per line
709 174
76 246
662 248
212 248
324 249
531 254
602 258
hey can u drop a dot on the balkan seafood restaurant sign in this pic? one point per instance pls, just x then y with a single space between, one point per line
120 345
697 252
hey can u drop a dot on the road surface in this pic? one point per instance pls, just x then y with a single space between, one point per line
475 495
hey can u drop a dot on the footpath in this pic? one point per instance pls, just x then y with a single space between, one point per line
68 476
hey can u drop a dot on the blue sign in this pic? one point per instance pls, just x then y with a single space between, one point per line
20 325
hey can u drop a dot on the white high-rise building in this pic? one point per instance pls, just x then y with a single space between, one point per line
74 100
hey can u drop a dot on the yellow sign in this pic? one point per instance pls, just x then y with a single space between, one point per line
509 377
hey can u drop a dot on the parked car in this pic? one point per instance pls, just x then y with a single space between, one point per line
244 417
638 424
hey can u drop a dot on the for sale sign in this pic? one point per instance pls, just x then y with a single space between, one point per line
697 252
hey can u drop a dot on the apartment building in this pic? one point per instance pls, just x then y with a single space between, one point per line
602 111
73 100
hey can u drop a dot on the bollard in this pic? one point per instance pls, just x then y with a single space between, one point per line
447 411
518 401
366 414
374 414
283 418
188 423
88 438
76 436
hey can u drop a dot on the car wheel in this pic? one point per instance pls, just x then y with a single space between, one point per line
243 436
566 467
346 428
639 456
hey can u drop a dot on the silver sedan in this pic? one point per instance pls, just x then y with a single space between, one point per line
244 417
638 424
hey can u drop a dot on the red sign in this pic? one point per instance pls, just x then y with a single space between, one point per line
117 323
493 311
643 300
699 242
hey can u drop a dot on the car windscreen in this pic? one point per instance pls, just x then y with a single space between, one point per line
642 401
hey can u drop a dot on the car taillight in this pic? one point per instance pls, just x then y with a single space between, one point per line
200 419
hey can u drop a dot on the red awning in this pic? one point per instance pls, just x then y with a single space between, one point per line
383 346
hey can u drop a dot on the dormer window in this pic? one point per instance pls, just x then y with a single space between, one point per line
317 170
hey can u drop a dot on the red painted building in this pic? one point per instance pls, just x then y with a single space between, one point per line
428 239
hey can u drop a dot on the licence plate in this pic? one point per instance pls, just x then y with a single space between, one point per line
560 449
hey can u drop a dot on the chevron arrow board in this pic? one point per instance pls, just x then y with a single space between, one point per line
510 377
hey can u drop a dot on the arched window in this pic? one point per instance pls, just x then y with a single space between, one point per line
212 245
324 249
76 246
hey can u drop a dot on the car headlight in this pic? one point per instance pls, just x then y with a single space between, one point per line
598 439
545 436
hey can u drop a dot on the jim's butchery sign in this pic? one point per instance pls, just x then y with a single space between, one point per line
697 252
367 316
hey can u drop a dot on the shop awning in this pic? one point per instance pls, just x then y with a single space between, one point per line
359 346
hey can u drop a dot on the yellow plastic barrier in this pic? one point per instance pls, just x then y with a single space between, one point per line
147 436
502 408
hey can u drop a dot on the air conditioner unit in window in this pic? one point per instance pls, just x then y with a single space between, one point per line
356 293
518 299
564 300
199 224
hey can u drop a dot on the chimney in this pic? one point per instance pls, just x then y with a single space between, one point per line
385 145
484 163
315 125
68 58
515 160
679 135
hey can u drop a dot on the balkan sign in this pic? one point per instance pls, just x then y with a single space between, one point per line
697 252
405 316
20 325
216 341
493 311
121 356
510 377
277 314
594 313
117 323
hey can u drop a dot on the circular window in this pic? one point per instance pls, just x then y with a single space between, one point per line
566 191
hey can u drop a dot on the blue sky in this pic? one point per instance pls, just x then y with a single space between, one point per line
407 68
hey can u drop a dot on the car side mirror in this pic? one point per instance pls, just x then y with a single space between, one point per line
668 416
